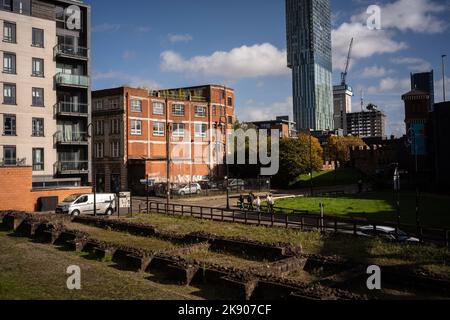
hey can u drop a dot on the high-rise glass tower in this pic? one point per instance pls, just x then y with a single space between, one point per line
309 56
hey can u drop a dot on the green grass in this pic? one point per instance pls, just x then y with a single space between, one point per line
31 271
378 206
325 178
366 251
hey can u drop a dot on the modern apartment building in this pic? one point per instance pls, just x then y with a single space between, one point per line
282 123
309 57
342 101
367 124
45 89
136 129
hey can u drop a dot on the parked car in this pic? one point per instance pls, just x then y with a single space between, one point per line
387 233
83 204
193 188
237 184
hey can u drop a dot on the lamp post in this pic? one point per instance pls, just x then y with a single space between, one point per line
397 187
443 76
310 163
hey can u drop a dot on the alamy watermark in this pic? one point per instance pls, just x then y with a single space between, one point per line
73 17
374 19
74 279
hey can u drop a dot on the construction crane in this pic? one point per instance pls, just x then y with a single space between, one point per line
347 65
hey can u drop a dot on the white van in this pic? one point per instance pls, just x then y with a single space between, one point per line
83 204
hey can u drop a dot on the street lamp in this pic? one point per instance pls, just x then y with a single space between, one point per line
228 193
443 76
397 187
311 163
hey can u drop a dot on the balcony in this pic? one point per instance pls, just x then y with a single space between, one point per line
70 109
71 139
69 51
71 167
70 80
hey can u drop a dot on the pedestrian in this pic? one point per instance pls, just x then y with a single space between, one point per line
241 202
250 201
270 203
360 186
258 204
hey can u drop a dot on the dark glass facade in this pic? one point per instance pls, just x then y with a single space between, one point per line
309 57
424 82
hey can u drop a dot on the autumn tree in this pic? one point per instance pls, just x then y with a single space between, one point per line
338 148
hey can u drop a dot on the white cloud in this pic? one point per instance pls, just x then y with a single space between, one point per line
254 111
143 29
411 15
254 61
128 55
414 64
375 72
390 85
366 44
106 27
121 78
175 38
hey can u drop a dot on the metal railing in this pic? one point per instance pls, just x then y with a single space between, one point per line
71 80
70 138
71 167
70 108
299 220
71 51
13 162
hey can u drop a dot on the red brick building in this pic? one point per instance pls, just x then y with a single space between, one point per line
134 128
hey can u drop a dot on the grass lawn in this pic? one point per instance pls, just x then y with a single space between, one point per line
31 271
344 176
371 251
378 206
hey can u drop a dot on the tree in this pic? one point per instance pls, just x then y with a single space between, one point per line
296 158
338 148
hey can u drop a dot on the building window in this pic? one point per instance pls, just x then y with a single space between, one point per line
9 63
159 129
38 97
115 126
9 155
9 32
98 105
115 149
178 110
136 127
99 127
158 108
38 159
38 38
230 101
9 93
200 130
136 105
99 150
230 120
178 130
38 67
200 112
114 104
38 127
9 125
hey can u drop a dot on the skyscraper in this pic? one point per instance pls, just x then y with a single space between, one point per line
424 82
309 56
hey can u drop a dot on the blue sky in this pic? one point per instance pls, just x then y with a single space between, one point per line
242 43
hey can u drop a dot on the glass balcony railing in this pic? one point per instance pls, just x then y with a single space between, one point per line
70 51
74 138
71 80
71 109
71 167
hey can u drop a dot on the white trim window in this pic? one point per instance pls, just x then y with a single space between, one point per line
178 110
159 129
136 127
115 126
178 130
115 149
200 130
99 150
158 108
99 127
136 105
200 112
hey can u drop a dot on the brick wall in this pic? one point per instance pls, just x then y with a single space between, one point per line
16 190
